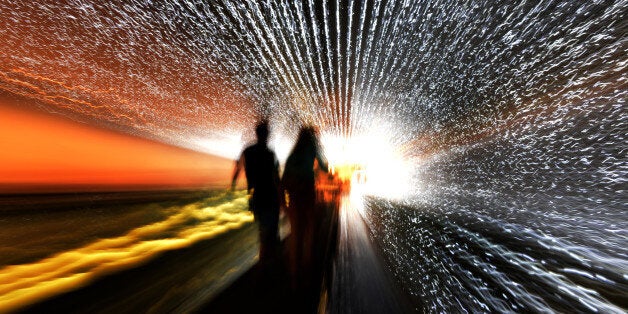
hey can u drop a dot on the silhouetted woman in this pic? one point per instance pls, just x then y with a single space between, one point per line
298 182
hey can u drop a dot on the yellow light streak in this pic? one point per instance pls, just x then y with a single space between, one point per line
25 284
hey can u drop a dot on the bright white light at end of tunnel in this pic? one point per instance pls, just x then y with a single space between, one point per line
381 168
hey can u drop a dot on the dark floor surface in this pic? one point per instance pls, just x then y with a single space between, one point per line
222 275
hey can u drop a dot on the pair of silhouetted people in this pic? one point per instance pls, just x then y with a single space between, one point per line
297 190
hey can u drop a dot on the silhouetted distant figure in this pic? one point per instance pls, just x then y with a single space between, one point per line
262 176
299 183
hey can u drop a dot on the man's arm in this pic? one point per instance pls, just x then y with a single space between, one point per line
239 164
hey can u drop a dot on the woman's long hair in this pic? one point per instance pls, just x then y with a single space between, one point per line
300 163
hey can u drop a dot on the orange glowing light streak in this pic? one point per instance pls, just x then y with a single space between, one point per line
41 150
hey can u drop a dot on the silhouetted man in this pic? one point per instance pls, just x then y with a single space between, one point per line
262 176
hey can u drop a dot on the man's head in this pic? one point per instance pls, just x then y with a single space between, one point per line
261 130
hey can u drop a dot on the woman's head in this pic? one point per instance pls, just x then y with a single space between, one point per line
308 136
307 141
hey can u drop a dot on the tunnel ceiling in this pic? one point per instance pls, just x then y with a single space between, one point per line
198 74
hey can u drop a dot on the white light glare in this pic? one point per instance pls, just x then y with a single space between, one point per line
382 169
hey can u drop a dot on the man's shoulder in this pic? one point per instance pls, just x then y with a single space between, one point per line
258 149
